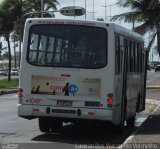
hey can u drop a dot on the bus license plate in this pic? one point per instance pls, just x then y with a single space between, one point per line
64 103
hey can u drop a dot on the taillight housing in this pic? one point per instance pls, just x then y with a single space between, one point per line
110 98
20 93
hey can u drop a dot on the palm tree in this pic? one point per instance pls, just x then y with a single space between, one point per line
35 6
7 19
145 12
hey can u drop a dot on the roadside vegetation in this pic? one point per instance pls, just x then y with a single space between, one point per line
11 23
147 14
9 84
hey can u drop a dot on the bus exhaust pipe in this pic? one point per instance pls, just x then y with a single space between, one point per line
48 110
79 112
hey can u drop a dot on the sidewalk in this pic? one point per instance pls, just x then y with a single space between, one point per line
147 135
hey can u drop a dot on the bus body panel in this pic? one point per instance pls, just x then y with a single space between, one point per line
43 94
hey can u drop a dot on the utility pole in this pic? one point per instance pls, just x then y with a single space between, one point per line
93 11
110 10
105 11
74 5
86 10
41 8
20 36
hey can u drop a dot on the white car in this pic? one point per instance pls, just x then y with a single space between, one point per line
14 72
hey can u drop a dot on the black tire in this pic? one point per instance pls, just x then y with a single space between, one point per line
122 125
44 125
138 102
56 125
130 121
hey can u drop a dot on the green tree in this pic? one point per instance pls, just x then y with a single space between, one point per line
11 12
8 15
35 6
27 6
147 14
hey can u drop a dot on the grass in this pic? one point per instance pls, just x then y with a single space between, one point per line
9 84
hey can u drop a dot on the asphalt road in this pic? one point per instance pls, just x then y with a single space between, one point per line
25 133
153 78
152 75
19 133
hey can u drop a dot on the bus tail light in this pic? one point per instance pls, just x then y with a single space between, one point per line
20 93
110 98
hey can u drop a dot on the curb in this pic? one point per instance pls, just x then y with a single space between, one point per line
153 87
3 92
149 101
153 102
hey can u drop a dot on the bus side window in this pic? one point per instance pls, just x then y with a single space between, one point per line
117 55
140 57
136 60
42 49
33 48
133 58
127 53
49 52
130 57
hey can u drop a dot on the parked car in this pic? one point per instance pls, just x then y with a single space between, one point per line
157 68
14 72
3 73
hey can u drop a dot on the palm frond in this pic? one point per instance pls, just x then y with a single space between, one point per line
128 17
51 4
145 27
155 50
151 41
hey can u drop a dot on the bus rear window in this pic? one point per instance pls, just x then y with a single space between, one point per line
67 46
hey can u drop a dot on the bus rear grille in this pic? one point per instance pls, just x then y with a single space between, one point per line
64 111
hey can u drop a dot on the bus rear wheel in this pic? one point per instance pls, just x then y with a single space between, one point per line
56 125
130 121
44 124
50 125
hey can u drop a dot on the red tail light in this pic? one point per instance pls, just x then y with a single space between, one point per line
110 98
20 93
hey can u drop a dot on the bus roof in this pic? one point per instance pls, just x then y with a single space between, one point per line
129 33
118 29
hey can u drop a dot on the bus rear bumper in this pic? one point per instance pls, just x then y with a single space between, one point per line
65 112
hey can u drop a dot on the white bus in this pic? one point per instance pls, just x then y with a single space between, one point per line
79 70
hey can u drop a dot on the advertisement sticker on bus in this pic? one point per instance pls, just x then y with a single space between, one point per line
64 86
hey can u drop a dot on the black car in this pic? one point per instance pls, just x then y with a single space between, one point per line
157 68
